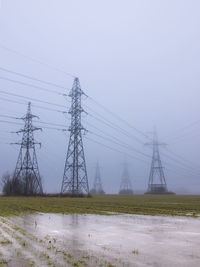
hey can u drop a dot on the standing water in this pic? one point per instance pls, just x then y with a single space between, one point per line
96 240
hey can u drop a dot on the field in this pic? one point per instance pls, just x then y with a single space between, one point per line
43 236
172 205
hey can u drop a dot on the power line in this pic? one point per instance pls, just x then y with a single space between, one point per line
32 78
6 116
188 126
40 107
116 150
181 169
94 126
181 163
124 153
42 122
31 85
11 122
36 60
123 132
114 126
12 101
181 157
18 123
182 136
51 123
52 128
49 109
33 99
126 144
129 124
119 142
118 117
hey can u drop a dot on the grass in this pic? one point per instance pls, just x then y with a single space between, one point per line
136 204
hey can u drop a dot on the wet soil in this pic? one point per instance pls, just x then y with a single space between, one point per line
95 240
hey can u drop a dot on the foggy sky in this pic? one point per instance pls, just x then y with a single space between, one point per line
140 59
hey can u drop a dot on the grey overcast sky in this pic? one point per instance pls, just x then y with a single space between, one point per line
140 59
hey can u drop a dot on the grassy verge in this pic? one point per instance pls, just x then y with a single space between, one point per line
139 204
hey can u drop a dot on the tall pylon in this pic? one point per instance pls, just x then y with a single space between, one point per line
157 182
75 179
97 186
27 171
125 186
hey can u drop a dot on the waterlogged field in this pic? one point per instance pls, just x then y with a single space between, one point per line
137 204
94 240
50 231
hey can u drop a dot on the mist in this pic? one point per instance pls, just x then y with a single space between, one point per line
139 59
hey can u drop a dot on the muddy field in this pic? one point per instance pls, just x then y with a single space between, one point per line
94 240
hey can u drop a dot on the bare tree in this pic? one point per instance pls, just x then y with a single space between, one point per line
6 182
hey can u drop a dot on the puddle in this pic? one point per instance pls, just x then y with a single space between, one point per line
96 240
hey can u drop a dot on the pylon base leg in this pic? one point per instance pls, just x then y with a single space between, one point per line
158 189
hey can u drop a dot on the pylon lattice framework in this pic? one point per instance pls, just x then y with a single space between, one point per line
125 186
27 171
157 183
75 179
97 186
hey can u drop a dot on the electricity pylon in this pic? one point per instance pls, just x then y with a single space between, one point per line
27 171
97 187
75 179
125 186
157 183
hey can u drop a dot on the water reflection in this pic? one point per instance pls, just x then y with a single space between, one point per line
118 236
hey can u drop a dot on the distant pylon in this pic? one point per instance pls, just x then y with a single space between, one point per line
125 186
97 187
157 183
75 179
27 171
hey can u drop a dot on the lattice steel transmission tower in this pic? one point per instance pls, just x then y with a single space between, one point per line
125 186
157 183
97 187
27 171
75 179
